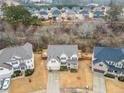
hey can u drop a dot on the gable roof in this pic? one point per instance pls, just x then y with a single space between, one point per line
110 54
55 51
25 52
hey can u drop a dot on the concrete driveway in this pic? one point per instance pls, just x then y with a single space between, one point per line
53 82
3 91
98 83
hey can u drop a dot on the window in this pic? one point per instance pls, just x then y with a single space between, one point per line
1 68
63 58
28 61
14 63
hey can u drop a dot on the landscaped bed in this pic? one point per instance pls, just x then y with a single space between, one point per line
73 70
63 68
17 73
29 72
109 75
121 78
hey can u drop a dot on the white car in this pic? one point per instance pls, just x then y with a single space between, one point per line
6 83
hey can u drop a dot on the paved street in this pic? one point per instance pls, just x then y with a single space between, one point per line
40 91
53 82
98 83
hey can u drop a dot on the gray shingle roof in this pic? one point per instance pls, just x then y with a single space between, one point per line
55 51
25 52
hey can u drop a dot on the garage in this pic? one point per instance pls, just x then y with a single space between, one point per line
100 71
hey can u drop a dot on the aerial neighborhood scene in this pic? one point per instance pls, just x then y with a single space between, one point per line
61 46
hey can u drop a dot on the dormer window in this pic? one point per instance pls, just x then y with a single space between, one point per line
53 60
74 57
63 57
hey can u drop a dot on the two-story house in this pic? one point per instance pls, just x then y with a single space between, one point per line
15 58
108 60
62 55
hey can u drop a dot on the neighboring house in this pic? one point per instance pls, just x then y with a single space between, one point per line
44 8
64 9
44 14
70 14
15 58
85 13
108 60
56 13
76 10
94 11
62 55
93 5
98 14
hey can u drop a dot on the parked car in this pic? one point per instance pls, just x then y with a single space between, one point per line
6 83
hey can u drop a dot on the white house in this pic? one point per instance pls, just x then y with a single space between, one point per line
15 58
53 65
62 55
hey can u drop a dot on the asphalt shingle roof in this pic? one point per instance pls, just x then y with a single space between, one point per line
55 51
110 54
25 52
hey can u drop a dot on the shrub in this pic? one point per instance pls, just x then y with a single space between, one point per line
109 75
16 73
29 72
73 70
63 68
121 78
